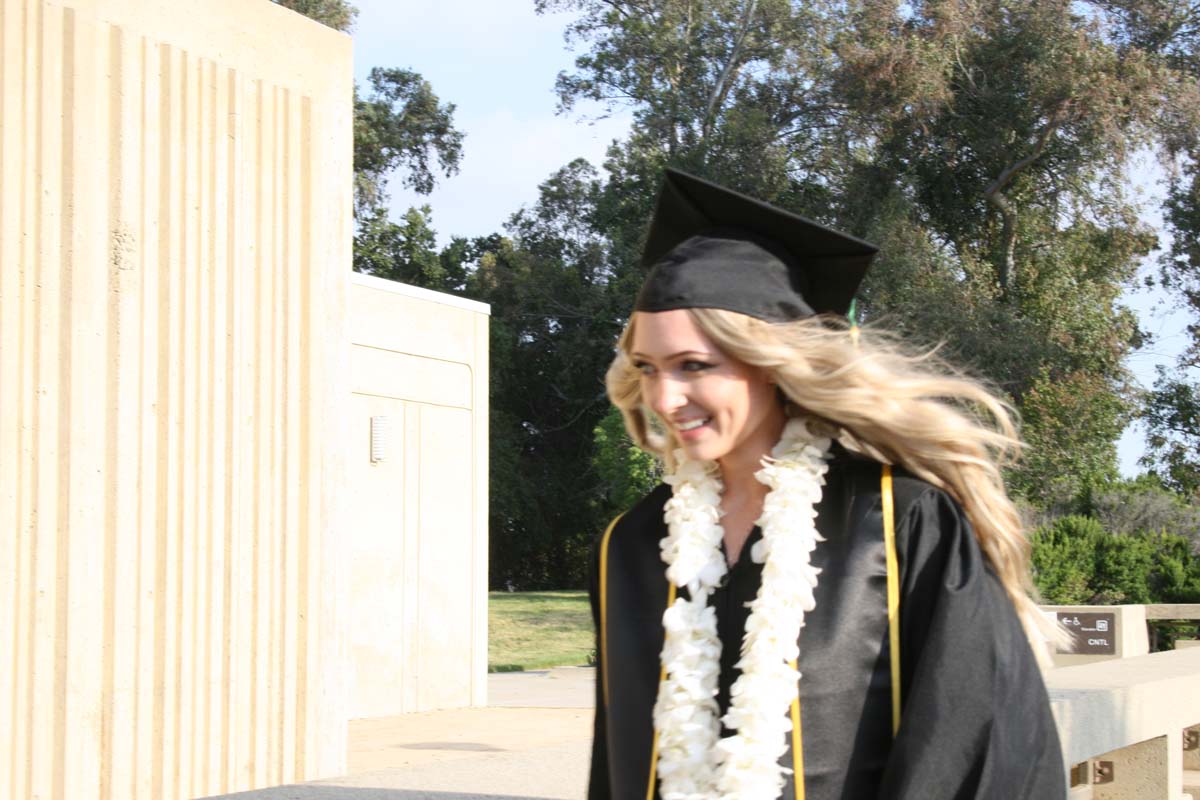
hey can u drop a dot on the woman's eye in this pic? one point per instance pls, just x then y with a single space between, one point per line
696 366
643 367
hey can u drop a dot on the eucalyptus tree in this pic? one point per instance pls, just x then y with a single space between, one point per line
740 90
1172 418
337 14
1168 32
400 125
985 144
1007 128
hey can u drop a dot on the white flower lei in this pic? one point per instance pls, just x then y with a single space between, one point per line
694 762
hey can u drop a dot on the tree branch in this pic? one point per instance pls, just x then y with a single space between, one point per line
1056 118
616 6
718 91
1173 28
968 73
1008 211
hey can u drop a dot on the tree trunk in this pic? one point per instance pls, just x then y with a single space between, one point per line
994 193
720 87
1007 267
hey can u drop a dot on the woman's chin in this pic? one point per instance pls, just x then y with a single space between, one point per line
704 450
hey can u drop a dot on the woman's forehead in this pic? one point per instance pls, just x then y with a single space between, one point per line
665 333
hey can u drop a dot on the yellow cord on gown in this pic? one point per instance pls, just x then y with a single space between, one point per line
893 590
797 743
893 564
603 648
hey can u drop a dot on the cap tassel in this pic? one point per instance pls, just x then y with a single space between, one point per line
852 314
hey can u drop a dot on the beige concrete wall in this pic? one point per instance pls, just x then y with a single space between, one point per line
174 243
1105 707
417 533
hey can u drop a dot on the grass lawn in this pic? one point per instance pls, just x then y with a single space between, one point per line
535 630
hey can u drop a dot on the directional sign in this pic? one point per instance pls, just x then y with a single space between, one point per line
1095 633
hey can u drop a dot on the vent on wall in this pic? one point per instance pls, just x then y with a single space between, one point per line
380 438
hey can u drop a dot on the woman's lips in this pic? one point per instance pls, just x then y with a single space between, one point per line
692 428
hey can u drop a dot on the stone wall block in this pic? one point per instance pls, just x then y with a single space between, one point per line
175 226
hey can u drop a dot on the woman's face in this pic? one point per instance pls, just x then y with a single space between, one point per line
717 407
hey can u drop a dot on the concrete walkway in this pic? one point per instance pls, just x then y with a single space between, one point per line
532 742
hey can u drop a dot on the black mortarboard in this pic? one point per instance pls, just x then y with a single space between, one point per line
711 247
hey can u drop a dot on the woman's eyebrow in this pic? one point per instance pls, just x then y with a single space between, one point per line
673 356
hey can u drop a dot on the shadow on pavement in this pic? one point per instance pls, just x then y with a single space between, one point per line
310 792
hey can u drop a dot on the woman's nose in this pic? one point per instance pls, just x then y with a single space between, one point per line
669 396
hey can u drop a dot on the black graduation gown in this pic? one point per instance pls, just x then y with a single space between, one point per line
975 719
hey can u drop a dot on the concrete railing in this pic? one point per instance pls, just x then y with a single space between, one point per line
1173 611
1125 724
1167 613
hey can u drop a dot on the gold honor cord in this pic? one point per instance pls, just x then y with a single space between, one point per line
893 589
893 569
604 604
797 743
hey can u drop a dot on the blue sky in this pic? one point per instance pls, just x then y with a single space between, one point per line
496 60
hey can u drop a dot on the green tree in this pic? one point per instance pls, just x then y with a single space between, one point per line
407 251
553 330
626 471
1070 425
1172 411
1023 108
337 14
1143 504
740 90
1176 576
1169 32
1004 130
1172 418
1166 29
399 124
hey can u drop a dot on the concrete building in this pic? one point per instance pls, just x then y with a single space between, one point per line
185 404
419 392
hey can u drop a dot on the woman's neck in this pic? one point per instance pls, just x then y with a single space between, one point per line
741 484
741 504
743 495
739 465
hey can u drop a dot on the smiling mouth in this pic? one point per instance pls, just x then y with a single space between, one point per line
691 425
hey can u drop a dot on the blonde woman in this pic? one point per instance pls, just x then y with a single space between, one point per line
825 598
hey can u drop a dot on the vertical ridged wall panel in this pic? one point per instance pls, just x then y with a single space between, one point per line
417 529
174 245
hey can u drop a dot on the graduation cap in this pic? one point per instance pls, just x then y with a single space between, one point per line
711 247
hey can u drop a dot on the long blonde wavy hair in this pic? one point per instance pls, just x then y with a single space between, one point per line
877 397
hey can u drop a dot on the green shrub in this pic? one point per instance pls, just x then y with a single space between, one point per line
1075 560
1064 559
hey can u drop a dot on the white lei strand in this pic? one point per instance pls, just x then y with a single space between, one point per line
694 762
